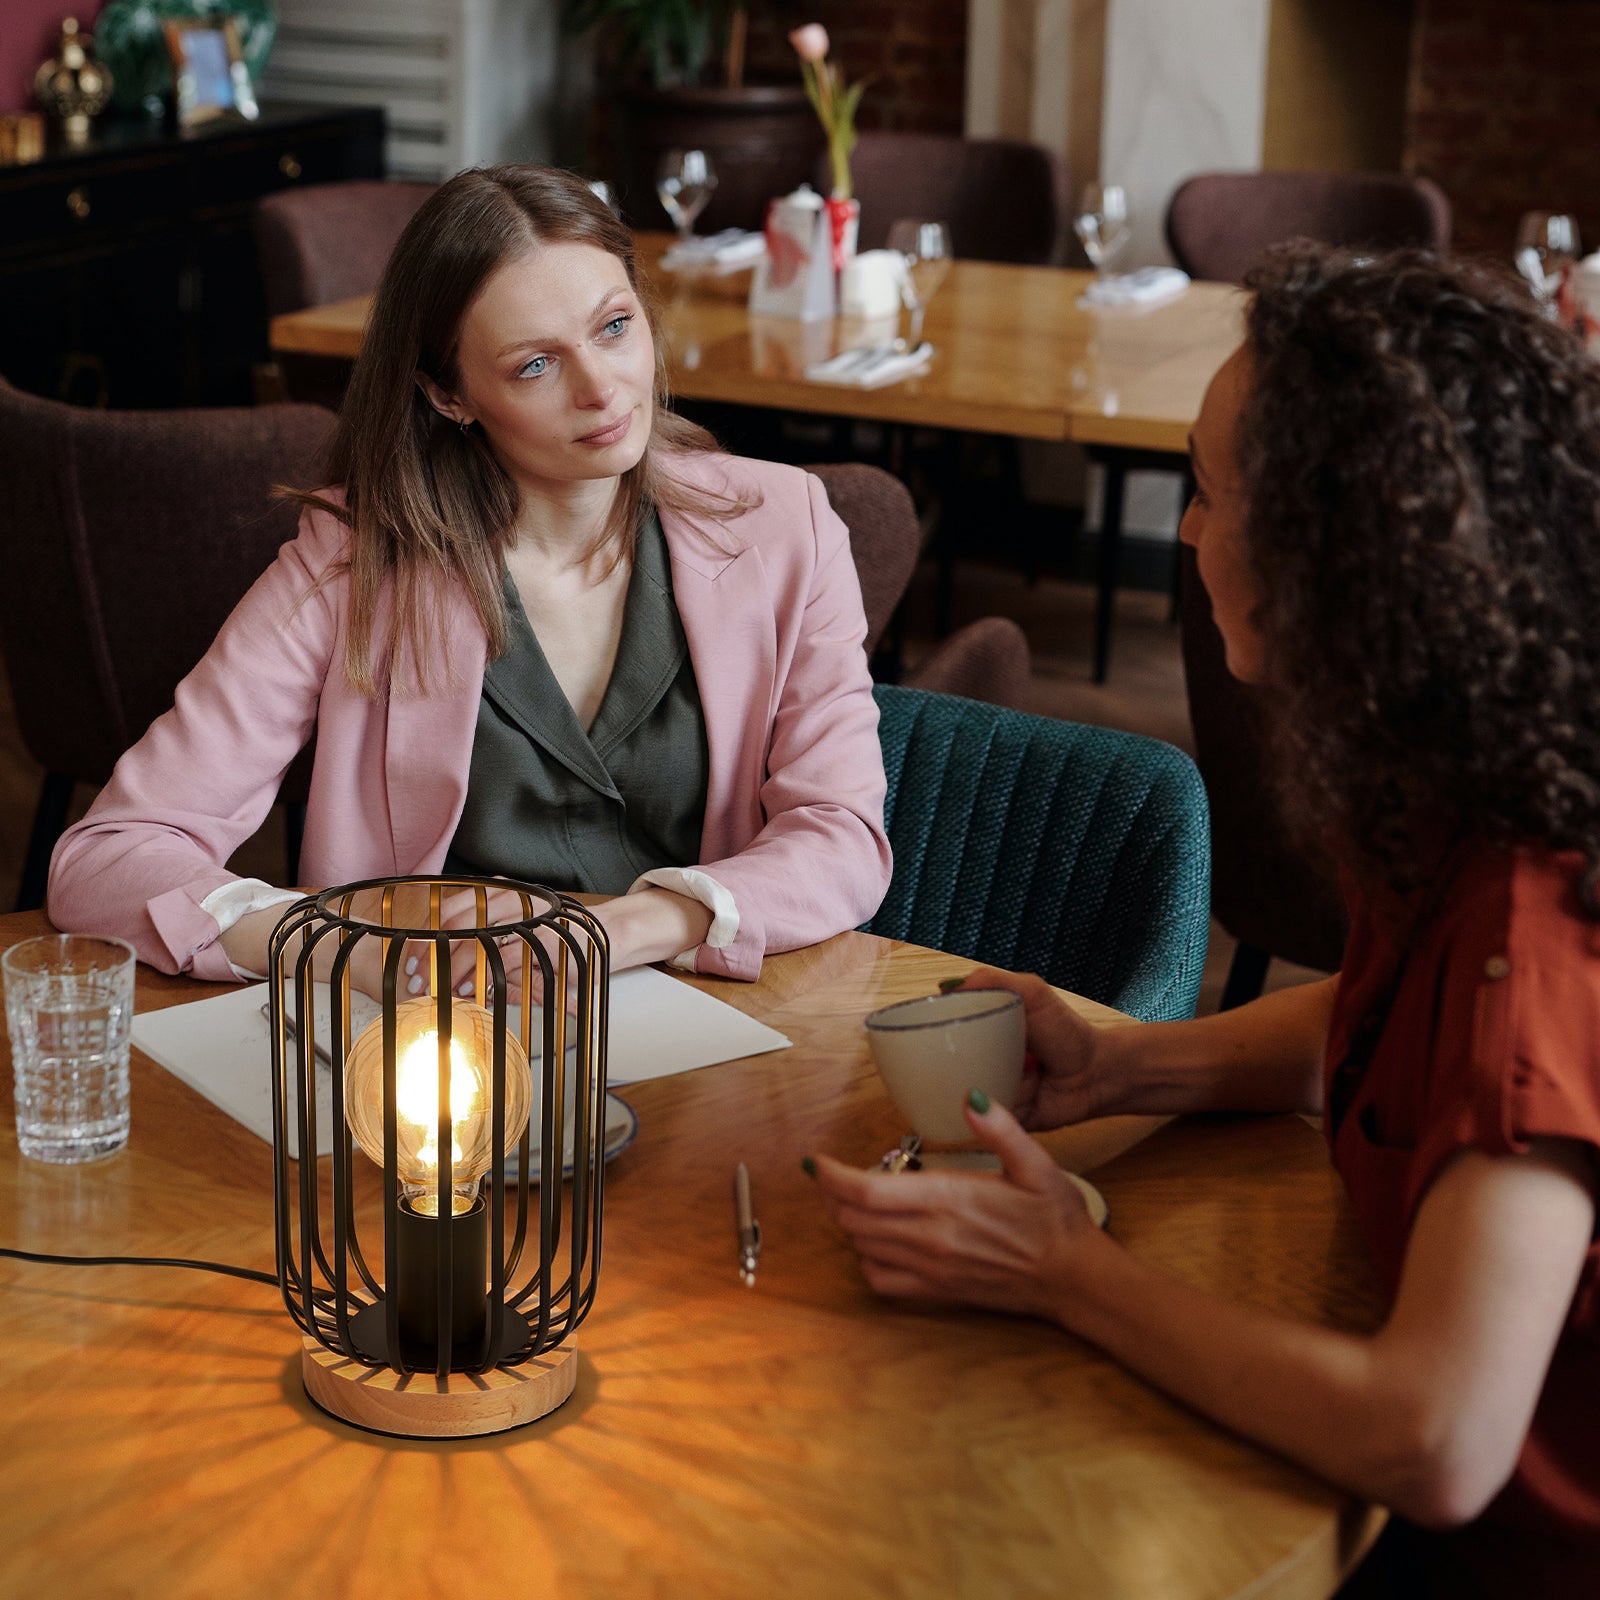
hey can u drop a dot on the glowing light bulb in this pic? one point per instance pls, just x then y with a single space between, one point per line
416 1026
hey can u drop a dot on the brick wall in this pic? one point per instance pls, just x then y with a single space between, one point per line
915 51
1503 112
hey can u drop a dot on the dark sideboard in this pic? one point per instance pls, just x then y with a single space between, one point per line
128 271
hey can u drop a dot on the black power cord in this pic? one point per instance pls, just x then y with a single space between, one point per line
141 1261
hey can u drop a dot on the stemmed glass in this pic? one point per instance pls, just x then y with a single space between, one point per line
1547 245
1101 224
685 180
925 248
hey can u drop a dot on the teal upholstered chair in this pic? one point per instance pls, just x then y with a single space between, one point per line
1078 853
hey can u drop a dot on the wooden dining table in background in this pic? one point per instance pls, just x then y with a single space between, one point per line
1015 353
801 1437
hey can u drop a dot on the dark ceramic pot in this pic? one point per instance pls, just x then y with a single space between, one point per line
764 141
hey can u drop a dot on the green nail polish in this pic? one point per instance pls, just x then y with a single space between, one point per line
947 984
808 1166
979 1101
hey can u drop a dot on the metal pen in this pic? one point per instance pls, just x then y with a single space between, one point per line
748 1229
320 1050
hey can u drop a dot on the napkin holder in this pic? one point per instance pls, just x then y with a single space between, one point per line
796 279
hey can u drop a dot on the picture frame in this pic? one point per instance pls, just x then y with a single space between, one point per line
208 70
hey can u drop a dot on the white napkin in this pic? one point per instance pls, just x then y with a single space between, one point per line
871 366
729 251
1149 286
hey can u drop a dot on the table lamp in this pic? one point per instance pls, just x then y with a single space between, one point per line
414 1318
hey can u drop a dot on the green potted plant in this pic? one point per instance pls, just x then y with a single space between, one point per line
676 38
681 66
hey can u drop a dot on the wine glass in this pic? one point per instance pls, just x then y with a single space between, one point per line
685 180
1101 223
925 248
1547 245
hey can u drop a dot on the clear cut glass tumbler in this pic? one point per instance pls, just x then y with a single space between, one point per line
69 1010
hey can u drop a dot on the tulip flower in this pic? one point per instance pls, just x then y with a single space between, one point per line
832 98
810 42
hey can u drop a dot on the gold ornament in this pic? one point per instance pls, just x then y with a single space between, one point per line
71 86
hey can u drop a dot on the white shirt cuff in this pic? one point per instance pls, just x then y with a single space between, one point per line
231 901
694 884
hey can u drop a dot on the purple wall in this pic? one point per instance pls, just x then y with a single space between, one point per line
29 30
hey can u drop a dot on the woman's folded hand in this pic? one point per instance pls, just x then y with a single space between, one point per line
1008 1243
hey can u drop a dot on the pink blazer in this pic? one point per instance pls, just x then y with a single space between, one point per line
794 809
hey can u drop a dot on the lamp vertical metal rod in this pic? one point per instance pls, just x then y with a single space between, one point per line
444 1222
391 1165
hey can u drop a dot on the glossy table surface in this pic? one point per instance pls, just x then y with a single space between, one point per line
1015 353
798 1438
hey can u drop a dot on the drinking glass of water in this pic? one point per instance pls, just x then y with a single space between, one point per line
925 249
685 181
1547 246
69 1008
1101 224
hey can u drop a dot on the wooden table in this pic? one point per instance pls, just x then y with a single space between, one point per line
1016 354
800 1438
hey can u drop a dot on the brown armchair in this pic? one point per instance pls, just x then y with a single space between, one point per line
1271 896
1219 223
329 241
129 536
987 659
325 242
1003 199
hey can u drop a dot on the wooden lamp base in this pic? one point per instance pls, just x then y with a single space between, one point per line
422 1406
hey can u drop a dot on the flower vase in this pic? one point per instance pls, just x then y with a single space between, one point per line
844 218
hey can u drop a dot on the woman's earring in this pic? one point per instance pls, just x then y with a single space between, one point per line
463 425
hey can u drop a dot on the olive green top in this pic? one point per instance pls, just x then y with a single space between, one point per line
589 812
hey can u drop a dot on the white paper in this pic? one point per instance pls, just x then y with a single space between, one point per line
660 1026
732 250
221 1047
871 368
1149 286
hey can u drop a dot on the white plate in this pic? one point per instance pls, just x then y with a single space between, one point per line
622 1127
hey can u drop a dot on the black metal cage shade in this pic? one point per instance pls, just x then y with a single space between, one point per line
471 1270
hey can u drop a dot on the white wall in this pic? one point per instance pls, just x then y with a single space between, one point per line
1185 91
463 82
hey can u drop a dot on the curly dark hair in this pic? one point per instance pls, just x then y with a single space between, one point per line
1421 454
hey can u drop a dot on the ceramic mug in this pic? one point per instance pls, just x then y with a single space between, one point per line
931 1053
870 284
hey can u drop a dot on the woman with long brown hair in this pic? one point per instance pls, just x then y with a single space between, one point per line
540 628
1398 523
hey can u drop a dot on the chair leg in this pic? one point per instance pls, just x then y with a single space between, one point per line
294 832
49 818
1177 549
887 663
944 583
1110 552
1245 977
